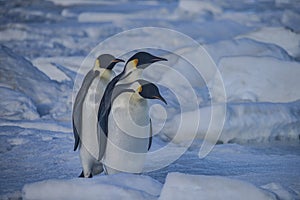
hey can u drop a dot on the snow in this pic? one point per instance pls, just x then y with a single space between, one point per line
183 186
279 190
17 141
15 105
260 79
290 19
48 46
36 85
122 186
245 47
280 36
177 186
277 121
196 7
98 17
48 66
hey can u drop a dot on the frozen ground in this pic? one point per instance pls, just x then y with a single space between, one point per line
256 45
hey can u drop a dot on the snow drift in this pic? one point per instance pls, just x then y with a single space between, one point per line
177 186
121 186
35 90
182 186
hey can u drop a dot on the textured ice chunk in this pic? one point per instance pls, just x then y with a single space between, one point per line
121 186
183 186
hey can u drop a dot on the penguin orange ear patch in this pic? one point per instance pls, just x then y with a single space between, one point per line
139 89
135 62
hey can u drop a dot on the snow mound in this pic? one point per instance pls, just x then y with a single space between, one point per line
282 192
199 6
264 79
101 17
280 36
16 106
23 77
276 122
291 19
120 186
183 186
47 66
243 47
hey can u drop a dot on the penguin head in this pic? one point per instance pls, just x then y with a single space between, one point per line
148 90
106 61
142 60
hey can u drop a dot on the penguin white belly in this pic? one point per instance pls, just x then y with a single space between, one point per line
89 139
89 146
89 142
128 134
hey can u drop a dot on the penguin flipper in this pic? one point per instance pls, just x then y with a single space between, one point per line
102 140
76 136
150 137
111 92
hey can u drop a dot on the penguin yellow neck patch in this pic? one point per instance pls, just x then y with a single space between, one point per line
105 74
97 63
135 63
140 89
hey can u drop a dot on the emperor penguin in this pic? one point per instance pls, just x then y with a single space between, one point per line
129 127
132 71
85 109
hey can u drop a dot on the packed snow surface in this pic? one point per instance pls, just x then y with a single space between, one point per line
182 186
123 186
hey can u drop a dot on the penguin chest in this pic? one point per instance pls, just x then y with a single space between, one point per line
89 116
130 115
128 134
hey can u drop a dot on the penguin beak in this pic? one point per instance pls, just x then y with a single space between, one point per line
160 98
156 59
117 60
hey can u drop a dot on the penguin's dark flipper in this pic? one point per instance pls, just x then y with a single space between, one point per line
90 176
81 175
76 136
150 137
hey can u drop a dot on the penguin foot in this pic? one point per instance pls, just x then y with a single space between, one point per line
82 175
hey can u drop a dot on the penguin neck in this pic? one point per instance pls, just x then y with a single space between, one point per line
138 106
131 76
104 74
136 97
97 67
130 66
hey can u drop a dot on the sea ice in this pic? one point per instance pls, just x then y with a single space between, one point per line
183 186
